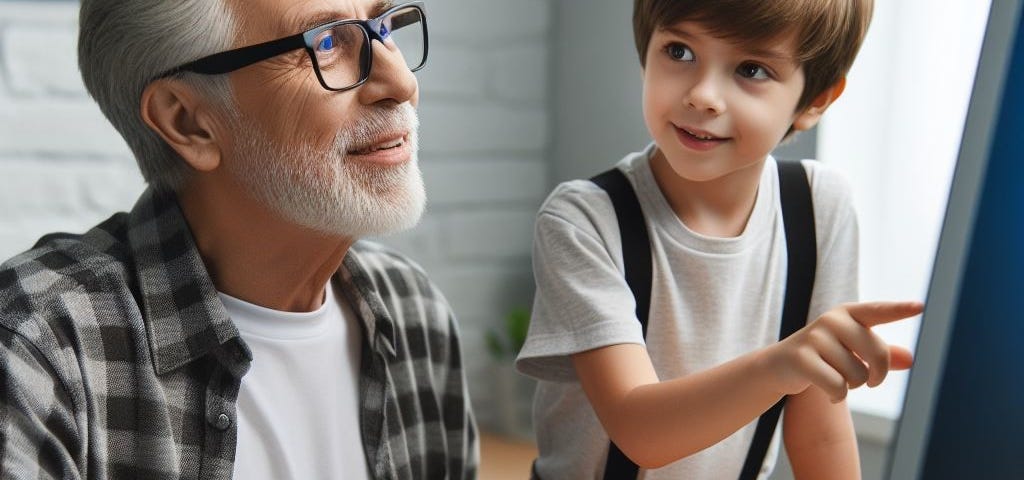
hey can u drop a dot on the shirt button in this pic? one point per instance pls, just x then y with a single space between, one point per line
223 422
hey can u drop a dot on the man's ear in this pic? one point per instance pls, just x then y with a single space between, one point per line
810 116
185 121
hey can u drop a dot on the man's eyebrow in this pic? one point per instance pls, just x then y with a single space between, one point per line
326 16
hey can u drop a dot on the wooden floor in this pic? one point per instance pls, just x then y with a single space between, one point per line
505 459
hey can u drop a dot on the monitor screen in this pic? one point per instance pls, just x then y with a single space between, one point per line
963 416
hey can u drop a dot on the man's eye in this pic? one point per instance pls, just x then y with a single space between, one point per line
326 44
680 52
753 71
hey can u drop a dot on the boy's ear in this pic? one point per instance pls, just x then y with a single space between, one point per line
810 116
185 121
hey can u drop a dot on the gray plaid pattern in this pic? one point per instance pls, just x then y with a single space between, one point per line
118 360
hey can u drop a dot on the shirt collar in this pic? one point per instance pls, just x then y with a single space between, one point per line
185 318
359 289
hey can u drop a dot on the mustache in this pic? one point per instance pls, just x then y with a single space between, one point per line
378 123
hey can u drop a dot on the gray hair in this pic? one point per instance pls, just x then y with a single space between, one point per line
124 44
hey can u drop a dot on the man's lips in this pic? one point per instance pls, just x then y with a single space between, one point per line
390 150
384 142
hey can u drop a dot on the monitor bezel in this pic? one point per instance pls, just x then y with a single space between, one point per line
910 442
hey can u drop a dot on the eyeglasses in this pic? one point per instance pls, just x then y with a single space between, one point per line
341 51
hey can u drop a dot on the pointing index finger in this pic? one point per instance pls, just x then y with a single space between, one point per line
870 314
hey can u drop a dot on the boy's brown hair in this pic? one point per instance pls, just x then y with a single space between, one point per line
828 32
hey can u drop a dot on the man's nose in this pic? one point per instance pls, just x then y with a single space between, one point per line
390 78
706 95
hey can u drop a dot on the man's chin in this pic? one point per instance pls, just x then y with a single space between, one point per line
397 229
401 219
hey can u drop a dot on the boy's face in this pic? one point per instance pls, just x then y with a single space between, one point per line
714 107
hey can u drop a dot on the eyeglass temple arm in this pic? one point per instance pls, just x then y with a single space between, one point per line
231 60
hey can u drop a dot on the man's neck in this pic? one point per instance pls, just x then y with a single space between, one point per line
253 254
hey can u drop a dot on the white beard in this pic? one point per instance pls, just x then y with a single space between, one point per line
326 192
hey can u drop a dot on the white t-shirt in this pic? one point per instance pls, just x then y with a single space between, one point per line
298 405
712 300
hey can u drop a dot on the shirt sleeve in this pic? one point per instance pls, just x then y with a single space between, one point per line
38 435
459 423
836 281
582 300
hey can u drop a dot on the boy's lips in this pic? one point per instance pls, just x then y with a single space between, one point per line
697 139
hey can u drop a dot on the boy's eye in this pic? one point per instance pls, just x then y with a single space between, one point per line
679 52
753 71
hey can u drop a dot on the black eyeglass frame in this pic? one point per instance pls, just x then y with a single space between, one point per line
231 60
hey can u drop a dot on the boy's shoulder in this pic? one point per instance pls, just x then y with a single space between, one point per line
582 199
830 189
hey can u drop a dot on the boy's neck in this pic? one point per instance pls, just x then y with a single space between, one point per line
715 208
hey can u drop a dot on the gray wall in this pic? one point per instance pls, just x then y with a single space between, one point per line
596 87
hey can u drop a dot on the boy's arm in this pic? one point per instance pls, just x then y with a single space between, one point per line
819 437
655 423
818 434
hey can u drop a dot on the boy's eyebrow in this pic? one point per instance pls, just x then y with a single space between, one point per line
765 53
771 54
326 16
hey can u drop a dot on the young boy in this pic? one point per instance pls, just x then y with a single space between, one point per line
724 82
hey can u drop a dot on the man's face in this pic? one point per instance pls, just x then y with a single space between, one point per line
714 107
338 162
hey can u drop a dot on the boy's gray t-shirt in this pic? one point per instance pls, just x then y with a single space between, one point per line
712 300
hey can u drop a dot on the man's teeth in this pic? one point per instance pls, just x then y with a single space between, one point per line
382 146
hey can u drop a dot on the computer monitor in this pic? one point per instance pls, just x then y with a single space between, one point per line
963 416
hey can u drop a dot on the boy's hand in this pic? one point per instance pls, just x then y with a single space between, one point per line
838 351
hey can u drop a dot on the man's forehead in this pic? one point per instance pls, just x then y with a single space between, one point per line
300 16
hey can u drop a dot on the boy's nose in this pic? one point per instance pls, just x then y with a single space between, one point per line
706 96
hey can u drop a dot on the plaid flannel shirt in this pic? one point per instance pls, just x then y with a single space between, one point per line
118 360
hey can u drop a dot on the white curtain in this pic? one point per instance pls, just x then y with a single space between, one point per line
896 133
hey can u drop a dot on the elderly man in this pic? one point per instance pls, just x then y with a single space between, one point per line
230 326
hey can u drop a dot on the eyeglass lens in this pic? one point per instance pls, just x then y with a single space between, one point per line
341 52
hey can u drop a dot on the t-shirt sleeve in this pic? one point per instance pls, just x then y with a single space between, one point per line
582 300
835 219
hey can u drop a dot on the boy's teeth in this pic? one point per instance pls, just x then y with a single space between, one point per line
700 137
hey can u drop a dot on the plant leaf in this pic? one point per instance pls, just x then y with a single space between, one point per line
494 345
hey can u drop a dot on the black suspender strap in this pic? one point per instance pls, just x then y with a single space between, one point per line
636 258
802 253
636 245
801 247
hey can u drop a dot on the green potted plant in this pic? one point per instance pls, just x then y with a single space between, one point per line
506 343
513 392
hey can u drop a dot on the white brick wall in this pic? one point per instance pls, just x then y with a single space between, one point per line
485 123
62 166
